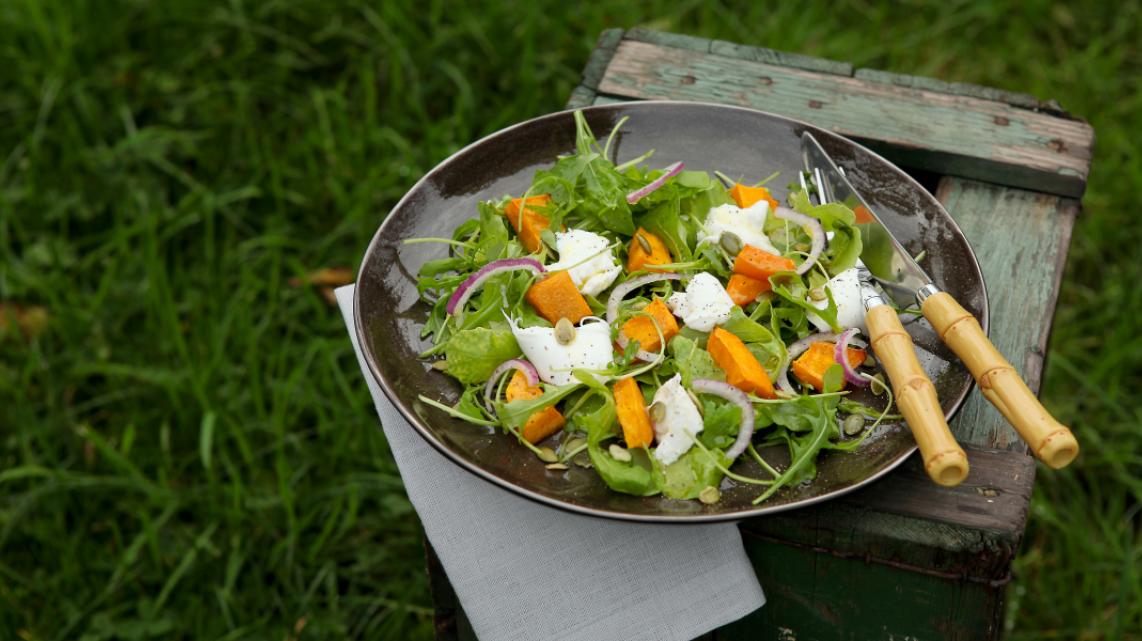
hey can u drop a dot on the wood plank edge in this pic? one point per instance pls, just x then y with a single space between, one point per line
1013 98
581 96
600 58
736 51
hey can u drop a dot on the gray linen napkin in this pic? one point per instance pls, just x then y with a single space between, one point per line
525 571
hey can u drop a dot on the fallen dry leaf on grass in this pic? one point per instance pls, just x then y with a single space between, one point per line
326 280
30 320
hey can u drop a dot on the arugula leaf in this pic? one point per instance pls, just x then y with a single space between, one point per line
693 361
665 221
514 414
472 354
721 422
632 477
844 249
693 472
796 293
834 378
810 424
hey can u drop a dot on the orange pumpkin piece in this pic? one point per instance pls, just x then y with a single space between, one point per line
556 297
810 367
541 424
863 215
638 258
630 405
741 368
759 264
531 223
746 196
744 290
640 328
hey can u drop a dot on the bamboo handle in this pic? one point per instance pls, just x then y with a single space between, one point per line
916 397
1049 439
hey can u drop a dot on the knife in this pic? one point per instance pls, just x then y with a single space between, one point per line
891 266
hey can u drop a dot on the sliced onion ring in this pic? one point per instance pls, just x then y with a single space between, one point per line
737 397
642 192
841 356
816 232
468 287
517 364
795 350
620 291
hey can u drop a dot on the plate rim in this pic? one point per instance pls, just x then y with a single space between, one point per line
677 519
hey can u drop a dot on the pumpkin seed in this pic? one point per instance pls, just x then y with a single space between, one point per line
573 444
801 247
869 359
557 466
564 331
878 388
644 243
582 459
709 495
657 412
547 455
853 424
619 453
730 242
440 365
818 293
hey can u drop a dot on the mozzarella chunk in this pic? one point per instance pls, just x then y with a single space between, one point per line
680 423
845 288
748 224
705 303
587 259
590 349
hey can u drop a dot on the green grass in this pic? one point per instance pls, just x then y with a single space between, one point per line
188 450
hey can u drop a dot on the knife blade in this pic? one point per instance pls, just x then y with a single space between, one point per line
907 283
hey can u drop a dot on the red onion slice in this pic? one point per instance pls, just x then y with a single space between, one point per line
816 232
517 364
620 291
737 397
670 172
795 350
841 356
473 282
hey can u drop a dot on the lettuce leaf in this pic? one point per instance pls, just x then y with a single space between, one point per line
693 472
473 354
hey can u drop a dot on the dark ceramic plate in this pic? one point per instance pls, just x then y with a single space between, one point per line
739 142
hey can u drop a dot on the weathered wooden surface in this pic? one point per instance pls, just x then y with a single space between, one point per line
924 129
1021 240
970 531
1023 100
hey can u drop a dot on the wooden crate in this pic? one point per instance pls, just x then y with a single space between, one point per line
903 558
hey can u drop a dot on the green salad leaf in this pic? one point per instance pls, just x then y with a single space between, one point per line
472 354
693 472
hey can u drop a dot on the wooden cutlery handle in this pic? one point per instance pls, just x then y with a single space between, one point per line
916 397
1049 439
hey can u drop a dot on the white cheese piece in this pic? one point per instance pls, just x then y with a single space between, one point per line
681 421
748 224
587 259
705 303
845 288
590 349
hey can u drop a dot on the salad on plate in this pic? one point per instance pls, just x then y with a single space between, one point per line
659 326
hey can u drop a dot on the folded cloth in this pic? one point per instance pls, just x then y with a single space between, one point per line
525 571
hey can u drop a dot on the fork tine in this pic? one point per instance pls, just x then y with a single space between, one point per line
804 186
822 189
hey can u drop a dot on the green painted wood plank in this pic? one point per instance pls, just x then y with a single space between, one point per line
1026 101
950 134
667 39
971 531
600 57
782 58
1021 240
581 96
818 597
